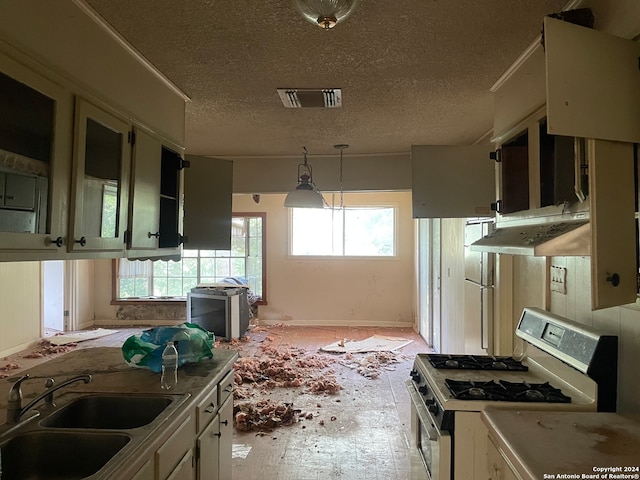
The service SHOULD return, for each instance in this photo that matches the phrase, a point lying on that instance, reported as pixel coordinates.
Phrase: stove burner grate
(505, 391)
(475, 362)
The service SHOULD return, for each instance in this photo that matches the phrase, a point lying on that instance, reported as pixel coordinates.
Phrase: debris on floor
(372, 364)
(376, 343)
(45, 348)
(240, 450)
(264, 415)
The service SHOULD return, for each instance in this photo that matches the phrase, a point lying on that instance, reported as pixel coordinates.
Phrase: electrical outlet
(559, 280)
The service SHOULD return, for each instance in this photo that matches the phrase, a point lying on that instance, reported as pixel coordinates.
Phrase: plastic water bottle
(169, 367)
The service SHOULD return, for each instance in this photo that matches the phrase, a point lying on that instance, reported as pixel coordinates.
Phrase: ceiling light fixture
(325, 13)
(305, 195)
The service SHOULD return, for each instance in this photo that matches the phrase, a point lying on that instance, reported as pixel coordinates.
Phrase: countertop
(587, 444)
(111, 374)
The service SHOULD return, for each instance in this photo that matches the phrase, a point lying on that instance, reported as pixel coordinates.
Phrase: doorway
(53, 297)
(429, 281)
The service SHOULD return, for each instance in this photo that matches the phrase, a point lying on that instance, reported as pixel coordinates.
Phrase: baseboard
(332, 323)
(19, 348)
(135, 323)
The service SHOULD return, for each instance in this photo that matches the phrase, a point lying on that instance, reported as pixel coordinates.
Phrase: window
(350, 231)
(153, 279)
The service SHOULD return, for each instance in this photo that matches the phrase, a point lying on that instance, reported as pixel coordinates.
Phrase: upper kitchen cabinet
(155, 216)
(102, 161)
(593, 83)
(451, 181)
(208, 184)
(36, 116)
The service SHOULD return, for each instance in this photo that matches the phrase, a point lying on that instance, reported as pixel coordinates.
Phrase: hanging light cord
(341, 147)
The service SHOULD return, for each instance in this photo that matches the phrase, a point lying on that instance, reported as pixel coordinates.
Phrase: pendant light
(325, 13)
(305, 195)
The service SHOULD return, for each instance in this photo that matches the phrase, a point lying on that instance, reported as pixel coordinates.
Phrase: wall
(529, 274)
(336, 291)
(315, 291)
(20, 306)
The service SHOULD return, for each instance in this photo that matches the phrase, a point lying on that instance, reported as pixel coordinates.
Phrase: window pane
(207, 253)
(237, 267)
(223, 253)
(207, 267)
(190, 267)
(349, 231)
(160, 268)
(238, 245)
(142, 287)
(369, 232)
(127, 287)
(189, 253)
(174, 269)
(160, 286)
(175, 287)
(255, 247)
(312, 231)
(188, 284)
(223, 267)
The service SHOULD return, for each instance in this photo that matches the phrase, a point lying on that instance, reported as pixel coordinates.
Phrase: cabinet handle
(219, 434)
(225, 422)
(10, 197)
(82, 241)
(157, 234)
(228, 389)
(211, 408)
(614, 279)
(59, 242)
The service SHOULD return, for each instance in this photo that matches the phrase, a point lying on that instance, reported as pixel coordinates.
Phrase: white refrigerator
(478, 291)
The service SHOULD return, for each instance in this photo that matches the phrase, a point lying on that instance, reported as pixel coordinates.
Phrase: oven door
(433, 444)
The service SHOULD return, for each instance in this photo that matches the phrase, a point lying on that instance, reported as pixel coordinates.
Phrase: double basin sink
(88, 431)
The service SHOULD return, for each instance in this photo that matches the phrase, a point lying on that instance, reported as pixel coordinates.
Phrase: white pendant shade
(304, 198)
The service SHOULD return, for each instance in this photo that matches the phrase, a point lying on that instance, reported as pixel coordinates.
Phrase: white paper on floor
(377, 343)
(72, 337)
(240, 450)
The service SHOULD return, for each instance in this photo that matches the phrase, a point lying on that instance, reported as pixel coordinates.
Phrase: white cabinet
(498, 466)
(100, 193)
(170, 457)
(451, 181)
(184, 470)
(566, 115)
(214, 445)
(155, 215)
(593, 83)
(35, 155)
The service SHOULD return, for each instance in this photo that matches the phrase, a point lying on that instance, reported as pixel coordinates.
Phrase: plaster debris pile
(285, 367)
(371, 365)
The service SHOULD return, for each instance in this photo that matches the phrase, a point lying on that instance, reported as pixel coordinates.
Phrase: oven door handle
(423, 414)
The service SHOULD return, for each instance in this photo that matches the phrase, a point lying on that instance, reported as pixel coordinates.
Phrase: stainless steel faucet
(15, 411)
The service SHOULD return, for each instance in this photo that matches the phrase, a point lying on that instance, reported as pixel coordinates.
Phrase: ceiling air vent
(311, 97)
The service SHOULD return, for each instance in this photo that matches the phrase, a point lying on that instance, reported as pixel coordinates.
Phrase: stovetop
(505, 391)
(476, 362)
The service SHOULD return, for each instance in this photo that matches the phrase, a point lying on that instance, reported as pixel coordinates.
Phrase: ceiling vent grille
(311, 97)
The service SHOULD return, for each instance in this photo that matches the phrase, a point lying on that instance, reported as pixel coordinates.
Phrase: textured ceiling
(411, 71)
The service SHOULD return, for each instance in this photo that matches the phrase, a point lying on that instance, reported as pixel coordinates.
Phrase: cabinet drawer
(225, 388)
(207, 409)
(169, 455)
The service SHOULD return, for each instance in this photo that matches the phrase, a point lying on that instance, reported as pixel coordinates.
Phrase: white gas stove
(563, 366)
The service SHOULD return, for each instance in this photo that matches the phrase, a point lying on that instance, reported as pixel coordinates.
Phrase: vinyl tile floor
(361, 433)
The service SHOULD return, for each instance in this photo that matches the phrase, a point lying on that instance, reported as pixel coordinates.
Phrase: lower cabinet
(184, 469)
(214, 445)
(170, 457)
(498, 466)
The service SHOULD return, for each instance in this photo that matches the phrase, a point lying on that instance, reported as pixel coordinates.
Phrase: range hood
(542, 240)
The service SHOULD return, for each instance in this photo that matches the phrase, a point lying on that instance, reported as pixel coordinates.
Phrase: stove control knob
(424, 389)
(415, 376)
(433, 408)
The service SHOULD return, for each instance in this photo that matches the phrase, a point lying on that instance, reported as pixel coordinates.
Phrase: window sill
(161, 301)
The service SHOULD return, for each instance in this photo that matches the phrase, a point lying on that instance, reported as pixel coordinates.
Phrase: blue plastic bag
(194, 344)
